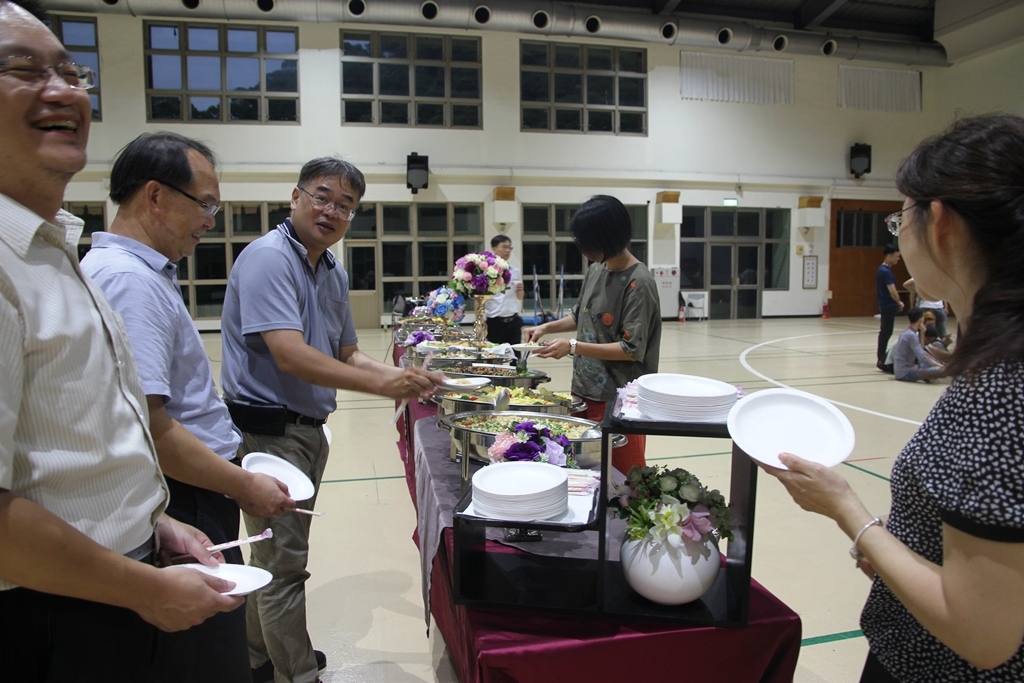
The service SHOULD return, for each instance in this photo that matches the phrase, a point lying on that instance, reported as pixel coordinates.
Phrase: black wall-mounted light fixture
(417, 172)
(860, 159)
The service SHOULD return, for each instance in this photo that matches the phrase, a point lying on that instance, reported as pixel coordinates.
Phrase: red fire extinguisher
(824, 310)
(682, 314)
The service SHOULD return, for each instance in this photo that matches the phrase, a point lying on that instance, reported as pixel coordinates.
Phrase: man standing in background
(81, 493)
(504, 322)
(889, 303)
(166, 189)
(289, 345)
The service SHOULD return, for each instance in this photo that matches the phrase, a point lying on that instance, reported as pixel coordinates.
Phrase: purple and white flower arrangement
(670, 506)
(530, 441)
(481, 273)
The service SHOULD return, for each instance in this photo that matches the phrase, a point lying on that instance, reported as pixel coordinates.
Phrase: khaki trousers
(276, 615)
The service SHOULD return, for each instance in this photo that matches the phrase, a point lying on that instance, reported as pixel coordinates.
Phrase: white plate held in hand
(775, 421)
(465, 383)
(299, 485)
(246, 579)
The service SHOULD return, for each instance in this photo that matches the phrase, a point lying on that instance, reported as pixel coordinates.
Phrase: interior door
(735, 281)
(854, 259)
(361, 264)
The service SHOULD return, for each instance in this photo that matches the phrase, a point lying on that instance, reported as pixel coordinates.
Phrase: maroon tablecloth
(489, 645)
(502, 646)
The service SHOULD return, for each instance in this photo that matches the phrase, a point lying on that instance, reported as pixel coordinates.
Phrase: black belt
(300, 419)
(506, 319)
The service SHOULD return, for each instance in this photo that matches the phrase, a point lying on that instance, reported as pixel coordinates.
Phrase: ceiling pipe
(533, 17)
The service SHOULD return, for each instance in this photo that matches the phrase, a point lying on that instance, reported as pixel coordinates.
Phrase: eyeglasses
(321, 203)
(209, 210)
(894, 221)
(29, 70)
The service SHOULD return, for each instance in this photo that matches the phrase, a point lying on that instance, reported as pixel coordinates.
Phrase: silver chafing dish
(451, 402)
(586, 448)
(505, 376)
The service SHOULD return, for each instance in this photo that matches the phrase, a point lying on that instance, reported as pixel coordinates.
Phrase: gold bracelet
(855, 553)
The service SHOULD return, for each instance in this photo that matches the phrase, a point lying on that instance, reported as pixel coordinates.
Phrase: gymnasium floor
(365, 609)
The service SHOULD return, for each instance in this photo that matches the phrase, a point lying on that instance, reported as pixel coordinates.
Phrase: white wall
(703, 149)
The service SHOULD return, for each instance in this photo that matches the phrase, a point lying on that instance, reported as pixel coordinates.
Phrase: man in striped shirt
(81, 494)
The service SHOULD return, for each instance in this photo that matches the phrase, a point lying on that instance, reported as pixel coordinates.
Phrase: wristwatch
(572, 346)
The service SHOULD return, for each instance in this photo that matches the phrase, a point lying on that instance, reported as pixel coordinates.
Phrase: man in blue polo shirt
(889, 303)
(167, 193)
(289, 345)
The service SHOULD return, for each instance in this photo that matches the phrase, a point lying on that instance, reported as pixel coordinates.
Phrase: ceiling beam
(664, 7)
(813, 13)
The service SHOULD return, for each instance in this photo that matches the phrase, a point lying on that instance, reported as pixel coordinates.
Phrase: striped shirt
(74, 435)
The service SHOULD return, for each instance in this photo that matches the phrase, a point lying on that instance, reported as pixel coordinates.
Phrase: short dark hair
(498, 239)
(160, 156)
(890, 249)
(333, 167)
(930, 332)
(602, 226)
(915, 314)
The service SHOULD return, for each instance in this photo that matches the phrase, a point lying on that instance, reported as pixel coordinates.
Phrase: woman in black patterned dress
(947, 603)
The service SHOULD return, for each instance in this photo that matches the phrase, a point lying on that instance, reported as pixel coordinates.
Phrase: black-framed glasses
(894, 221)
(209, 210)
(321, 203)
(30, 70)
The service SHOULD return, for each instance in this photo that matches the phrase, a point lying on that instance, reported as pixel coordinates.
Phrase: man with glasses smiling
(81, 492)
(289, 344)
(158, 223)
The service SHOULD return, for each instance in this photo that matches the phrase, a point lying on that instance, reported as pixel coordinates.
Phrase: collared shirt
(506, 303)
(142, 286)
(74, 435)
(273, 287)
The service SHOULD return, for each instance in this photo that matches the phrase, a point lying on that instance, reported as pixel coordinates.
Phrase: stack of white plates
(520, 491)
(684, 398)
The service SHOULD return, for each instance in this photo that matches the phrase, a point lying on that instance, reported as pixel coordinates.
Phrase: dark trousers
(505, 330)
(885, 331)
(52, 639)
(217, 649)
(874, 672)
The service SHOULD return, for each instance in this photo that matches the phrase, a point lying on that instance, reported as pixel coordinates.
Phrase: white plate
(775, 421)
(519, 478)
(299, 485)
(670, 386)
(246, 579)
(526, 347)
(464, 383)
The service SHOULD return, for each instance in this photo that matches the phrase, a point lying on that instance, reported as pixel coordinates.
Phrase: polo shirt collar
(327, 258)
(151, 257)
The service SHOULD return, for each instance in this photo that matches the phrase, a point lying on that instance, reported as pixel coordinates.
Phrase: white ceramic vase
(667, 575)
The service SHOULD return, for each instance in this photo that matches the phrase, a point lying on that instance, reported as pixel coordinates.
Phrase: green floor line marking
(866, 471)
(832, 638)
(355, 481)
(695, 455)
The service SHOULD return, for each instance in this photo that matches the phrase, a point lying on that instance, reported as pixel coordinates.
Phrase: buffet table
(503, 644)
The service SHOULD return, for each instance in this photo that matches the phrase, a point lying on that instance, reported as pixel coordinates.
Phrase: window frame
(378, 101)
(57, 24)
(263, 95)
(558, 102)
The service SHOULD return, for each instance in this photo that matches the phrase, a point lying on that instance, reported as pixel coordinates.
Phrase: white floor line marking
(745, 364)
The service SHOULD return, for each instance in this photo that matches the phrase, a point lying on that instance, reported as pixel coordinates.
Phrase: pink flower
(696, 524)
(502, 442)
